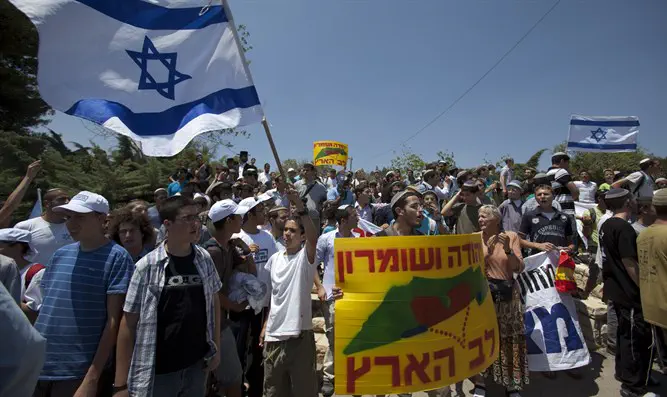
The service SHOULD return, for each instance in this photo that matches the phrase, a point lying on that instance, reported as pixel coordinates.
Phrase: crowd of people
(206, 291)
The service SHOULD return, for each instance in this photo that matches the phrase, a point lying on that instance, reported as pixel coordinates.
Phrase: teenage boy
(83, 288)
(620, 273)
(289, 351)
(168, 340)
(225, 220)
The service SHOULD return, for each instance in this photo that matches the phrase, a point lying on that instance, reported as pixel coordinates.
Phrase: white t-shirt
(586, 191)
(646, 188)
(267, 247)
(291, 308)
(32, 296)
(46, 237)
(264, 178)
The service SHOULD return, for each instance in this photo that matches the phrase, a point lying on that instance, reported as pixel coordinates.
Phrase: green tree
(446, 156)
(21, 106)
(406, 160)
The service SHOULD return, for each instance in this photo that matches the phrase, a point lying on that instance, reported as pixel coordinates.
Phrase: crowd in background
(207, 290)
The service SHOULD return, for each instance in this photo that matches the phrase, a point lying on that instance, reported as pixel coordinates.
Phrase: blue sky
(371, 73)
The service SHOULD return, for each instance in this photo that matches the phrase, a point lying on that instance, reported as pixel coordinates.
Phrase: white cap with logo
(84, 203)
(224, 208)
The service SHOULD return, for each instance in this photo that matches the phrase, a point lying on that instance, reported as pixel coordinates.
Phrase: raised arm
(15, 198)
(447, 209)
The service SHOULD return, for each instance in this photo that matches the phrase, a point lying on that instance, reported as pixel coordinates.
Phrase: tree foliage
(407, 160)
(120, 176)
(21, 106)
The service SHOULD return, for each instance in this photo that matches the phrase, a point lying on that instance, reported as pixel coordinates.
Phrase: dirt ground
(598, 380)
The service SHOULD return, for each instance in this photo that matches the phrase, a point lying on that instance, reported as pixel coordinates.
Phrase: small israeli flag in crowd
(160, 72)
(37, 208)
(603, 133)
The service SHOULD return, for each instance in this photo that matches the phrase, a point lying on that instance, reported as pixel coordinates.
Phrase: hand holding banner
(330, 153)
(424, 320)
(554, 340)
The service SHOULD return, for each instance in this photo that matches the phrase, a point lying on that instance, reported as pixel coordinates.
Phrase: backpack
(32, 271)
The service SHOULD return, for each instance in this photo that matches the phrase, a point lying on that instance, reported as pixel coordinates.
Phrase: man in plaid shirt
(169, 336)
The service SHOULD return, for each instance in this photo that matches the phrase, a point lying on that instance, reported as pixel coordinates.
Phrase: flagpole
(273, 147)
(265, 123)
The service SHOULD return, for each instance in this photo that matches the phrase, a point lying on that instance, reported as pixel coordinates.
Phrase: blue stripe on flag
(607, 123)
(170, 120)
(603, 146)
(145, 15)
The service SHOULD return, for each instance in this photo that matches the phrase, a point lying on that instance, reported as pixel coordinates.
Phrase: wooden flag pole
(265, 123)
(273, 148)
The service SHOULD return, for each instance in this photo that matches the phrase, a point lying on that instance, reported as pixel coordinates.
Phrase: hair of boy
(172, 206)
(342, 214)
(402, 202)
(360, 188)
(298, 221)
(126, 215)
(544, 187)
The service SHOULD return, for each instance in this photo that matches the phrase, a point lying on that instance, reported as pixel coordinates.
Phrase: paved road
(598, 380)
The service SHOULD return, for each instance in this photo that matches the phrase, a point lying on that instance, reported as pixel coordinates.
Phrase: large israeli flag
(158, 71)
(603, 133)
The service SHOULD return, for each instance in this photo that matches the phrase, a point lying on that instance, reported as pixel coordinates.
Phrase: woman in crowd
(132, 230)
(502, 257)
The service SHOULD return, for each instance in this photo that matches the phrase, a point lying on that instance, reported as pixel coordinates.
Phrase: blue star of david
(599, 134)
(146, 81)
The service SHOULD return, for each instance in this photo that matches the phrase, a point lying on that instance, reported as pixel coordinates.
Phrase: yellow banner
(330, 153)
(417, 313)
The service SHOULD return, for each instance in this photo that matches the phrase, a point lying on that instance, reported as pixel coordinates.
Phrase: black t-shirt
(619, 240)
(181, 317)
(540, 229)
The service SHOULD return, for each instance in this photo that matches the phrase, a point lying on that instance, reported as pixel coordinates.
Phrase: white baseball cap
(19, 236)
(224, 208)
(263, 197)
(248, 203)
(84, 203)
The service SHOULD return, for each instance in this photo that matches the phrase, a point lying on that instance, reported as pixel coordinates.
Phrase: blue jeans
(188, 382)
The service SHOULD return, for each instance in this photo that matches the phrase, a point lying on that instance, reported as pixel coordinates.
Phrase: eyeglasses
(189, 218)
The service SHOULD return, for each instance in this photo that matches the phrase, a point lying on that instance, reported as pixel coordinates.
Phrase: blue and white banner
(160, 72)
(554, 341)
(603, 133)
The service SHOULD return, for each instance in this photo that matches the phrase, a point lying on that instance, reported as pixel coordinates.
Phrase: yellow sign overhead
(417, 313)
(330, 153)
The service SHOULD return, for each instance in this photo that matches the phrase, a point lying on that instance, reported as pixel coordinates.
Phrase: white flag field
(603, 133)
(160, 72)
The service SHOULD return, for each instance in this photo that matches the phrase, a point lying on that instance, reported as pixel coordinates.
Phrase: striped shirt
(73, 315)
(143, 297)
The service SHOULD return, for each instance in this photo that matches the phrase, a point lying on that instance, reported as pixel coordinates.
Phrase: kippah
(660, 198)
(616, 193)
